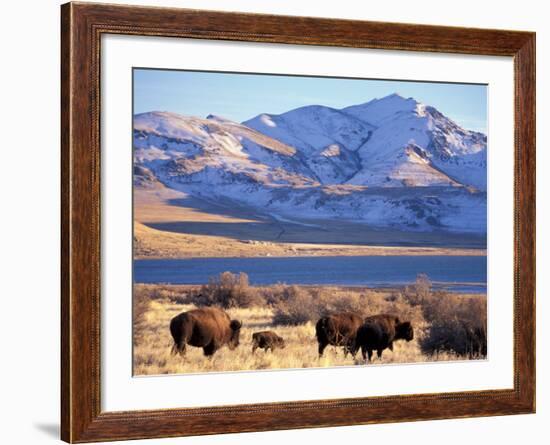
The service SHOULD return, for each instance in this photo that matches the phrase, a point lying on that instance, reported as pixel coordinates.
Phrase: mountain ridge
(319, 162)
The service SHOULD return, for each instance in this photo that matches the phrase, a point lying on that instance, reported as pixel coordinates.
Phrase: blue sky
(242, 96)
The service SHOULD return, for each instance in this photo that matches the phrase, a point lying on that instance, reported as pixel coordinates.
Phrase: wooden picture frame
(82, 26)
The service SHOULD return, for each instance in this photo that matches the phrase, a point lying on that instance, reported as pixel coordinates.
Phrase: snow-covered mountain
(328, 138)
(443, 145)
(388, 162)
(398, 142)
(214, 151)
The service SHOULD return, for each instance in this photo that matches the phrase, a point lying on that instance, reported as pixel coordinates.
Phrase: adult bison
(378, 332)
(338, 330)
(207, 328)
(267, 340)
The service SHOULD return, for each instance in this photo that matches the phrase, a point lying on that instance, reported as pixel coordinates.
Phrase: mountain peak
(393, 97)
(156, 113)
(214, 117)
(317, 162)
(376, 111)
(312, 128)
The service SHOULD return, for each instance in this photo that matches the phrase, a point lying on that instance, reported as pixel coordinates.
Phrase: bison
(338, 330)
(267, 340)
(206, 328)
(378, 332)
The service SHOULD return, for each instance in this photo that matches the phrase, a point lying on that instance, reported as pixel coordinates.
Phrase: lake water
(456, 273)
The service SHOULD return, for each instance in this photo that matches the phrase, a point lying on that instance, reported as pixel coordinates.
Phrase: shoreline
(151, 243)
(301, 250)
(436, 286)
(459, 253)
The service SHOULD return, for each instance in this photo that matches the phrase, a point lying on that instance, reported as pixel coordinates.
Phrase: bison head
(352, 346)
(404, 331)
(235, 326)
(281, 342)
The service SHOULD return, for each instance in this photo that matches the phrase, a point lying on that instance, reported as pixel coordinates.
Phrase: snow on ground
(388, 162)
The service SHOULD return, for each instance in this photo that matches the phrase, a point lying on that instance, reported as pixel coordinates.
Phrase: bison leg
(379, 353)
(254, 347)
(349, 348)
(353, 347)
(210, 349)
(322, 347)
(370, 354)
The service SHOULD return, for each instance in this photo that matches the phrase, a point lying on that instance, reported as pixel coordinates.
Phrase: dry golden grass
(153, 341)
(152, 355)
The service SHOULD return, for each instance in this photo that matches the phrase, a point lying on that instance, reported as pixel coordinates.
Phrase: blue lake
(456, 273)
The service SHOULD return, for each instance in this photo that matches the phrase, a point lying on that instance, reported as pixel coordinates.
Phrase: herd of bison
(211, 328)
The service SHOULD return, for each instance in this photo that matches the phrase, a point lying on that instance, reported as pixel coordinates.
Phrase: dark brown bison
(338, 330)
(378, 332)
(267, 340)
(207, 328)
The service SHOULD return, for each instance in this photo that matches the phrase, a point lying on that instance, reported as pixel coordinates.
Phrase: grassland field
(292, 312)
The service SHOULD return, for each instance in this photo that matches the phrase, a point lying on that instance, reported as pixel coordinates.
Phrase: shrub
(296, 306)
(332, 301)
(228, 290)
(140, 306)
(397, 304)
(274, 294)
(164, 292)
(420, 291)
(456, 335)
(457, 324)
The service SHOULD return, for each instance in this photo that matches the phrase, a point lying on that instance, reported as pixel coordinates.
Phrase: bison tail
(178, 349)
(178, 336)
(174, 350)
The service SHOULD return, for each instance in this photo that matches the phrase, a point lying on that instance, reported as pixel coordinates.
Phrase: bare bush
(332, 301)
(140, 306)
(228, 290)
(173, 293)
(296, 306)
(457, 324)
(456, 335)
(274, 294)
(420, 291)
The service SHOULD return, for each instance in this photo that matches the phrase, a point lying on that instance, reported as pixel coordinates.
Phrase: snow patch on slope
(388, 162)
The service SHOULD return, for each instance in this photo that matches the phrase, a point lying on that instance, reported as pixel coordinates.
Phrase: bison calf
(206, 328)
(379, 332)
(267, 340)
(338, 330)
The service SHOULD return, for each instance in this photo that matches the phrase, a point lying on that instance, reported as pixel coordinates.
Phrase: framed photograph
(275, 222)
